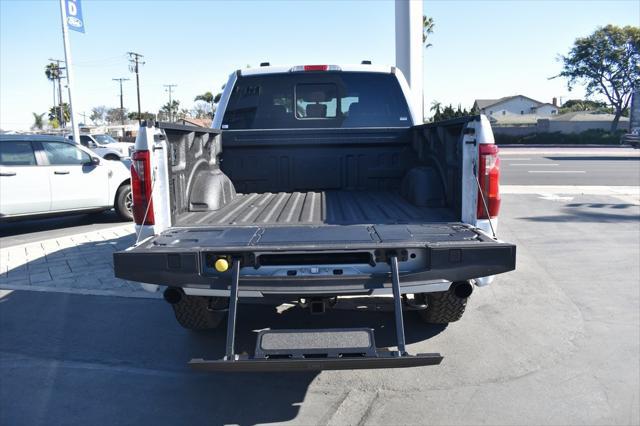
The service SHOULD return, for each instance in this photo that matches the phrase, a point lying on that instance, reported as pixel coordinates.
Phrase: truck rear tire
(443, 307)
(195, 313)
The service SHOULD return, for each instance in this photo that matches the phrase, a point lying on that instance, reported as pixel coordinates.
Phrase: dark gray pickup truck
(315, 183)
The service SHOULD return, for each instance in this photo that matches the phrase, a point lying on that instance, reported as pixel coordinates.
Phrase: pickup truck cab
(106, 146)
(316, 182)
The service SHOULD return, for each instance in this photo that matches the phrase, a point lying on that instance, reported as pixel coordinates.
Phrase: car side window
(17, 154)
(60, 153)
(85, 140)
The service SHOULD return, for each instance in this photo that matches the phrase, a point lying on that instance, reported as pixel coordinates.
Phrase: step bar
(313, 350)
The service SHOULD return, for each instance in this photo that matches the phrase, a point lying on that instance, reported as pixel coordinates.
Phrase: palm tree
(427, 29)
(38, 121)
(53, 73)
(65, 114)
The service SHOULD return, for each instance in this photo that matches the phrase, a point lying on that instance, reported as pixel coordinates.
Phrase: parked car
(106, 146)
(50, 175)
(316, 182)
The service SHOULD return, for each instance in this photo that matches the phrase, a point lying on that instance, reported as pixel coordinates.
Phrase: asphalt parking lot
(555, 342)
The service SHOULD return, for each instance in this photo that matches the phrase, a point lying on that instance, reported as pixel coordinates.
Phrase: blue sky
(482, 49)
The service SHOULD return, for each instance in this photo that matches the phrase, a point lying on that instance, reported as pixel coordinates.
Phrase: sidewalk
(80, 264)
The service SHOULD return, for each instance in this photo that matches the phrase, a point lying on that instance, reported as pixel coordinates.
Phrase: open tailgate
(185, 256)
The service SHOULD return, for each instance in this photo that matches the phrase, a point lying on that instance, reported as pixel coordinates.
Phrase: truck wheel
(123, 202)
(195, 313)
(447, 306)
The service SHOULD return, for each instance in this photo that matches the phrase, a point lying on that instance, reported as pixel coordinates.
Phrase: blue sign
(74, 15)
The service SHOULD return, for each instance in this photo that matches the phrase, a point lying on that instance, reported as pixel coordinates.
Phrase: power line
(169, 88)
(135, 62)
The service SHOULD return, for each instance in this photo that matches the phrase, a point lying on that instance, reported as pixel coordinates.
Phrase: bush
(590, 137)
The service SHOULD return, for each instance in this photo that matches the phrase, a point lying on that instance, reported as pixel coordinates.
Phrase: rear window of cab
(316, 100)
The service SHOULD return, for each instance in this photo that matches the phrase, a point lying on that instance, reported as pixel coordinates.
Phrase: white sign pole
(67, 58)
(409, 49)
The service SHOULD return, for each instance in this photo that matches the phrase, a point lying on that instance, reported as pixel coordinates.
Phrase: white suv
(48, 175)
(106, 146)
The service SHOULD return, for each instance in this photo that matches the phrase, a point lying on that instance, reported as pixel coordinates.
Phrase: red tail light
(141, 188)
(489, 178)
(316, 67)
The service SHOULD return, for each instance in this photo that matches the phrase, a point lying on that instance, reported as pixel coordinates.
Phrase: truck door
(75, 182)
(24, 185)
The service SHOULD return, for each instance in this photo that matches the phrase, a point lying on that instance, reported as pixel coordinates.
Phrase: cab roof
(385, 69)
(32, 138)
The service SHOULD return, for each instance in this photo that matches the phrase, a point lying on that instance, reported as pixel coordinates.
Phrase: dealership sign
(74, 15)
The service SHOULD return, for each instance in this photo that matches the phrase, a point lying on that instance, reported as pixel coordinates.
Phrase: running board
(278, 364)
(322, 349)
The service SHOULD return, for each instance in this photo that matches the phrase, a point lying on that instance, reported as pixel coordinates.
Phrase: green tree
(53, 73)
(436, 109)
(607, 63)
(573, 105)
(116, 115)
(208, 98)
(55, 113)
(99, 114)
(428, 25)
(143, 116)
(169, 110)
(38, 121)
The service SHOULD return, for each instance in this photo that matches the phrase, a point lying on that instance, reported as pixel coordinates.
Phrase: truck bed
(317, 208)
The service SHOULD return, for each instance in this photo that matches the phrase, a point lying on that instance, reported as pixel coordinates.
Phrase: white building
(515, 105)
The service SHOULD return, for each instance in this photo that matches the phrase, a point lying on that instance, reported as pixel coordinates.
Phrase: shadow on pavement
(57, 222)
(584, 212)
(93, 360)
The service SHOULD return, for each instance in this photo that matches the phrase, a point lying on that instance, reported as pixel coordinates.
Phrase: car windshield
(318, 100)
(104, 139)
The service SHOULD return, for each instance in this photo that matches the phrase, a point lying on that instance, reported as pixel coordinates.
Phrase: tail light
(489, 179)
(299, 68)
(141, 188)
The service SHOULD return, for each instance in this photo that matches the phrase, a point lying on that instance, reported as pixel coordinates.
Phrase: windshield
(104, 139)
(316, 100)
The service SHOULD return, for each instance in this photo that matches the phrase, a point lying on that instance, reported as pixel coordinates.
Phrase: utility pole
(134, 59)
(59, 69)
(169, 88)
(120, 80)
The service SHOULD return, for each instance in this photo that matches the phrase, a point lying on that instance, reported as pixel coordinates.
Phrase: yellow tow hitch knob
(221, 265)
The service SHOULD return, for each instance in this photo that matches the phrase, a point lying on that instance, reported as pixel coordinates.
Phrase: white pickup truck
(106, 146)
(316, 182)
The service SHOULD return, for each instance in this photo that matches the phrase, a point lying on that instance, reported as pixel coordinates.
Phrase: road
(581, 166)
(555, 342)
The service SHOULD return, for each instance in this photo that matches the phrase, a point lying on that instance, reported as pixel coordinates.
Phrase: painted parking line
(556, 171)
(536, 165)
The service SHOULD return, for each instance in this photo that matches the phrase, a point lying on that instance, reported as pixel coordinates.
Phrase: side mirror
(94, 161)
(92, 144)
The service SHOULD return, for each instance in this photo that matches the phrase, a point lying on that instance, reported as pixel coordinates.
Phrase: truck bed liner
(317, 208)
